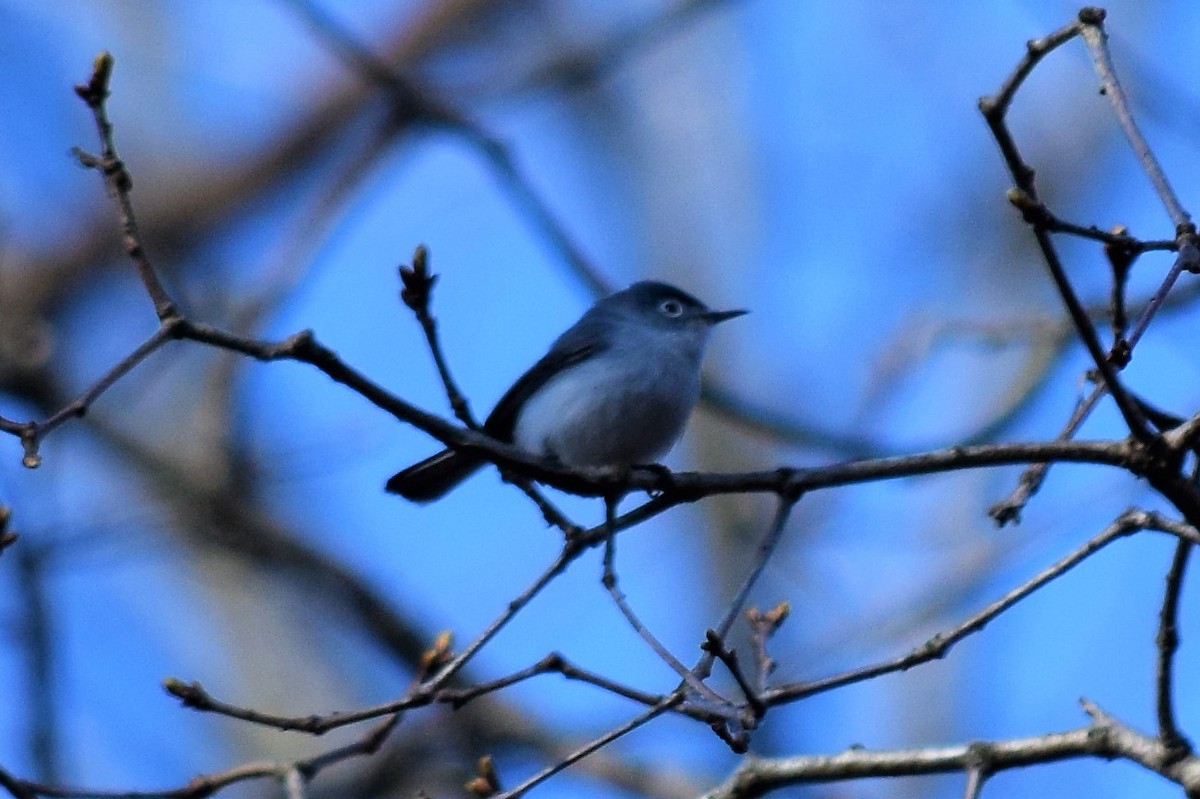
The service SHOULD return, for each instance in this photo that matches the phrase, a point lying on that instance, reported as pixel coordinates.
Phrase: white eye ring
(671, 308)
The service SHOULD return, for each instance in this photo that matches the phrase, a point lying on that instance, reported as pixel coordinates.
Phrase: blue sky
(823, 165)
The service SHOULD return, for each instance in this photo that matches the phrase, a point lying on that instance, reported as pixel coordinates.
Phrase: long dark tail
(433, 477)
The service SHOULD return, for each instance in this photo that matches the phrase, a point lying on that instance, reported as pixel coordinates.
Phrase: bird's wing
(504, 417)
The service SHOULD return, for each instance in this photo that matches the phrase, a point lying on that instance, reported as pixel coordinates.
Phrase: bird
(614, 390)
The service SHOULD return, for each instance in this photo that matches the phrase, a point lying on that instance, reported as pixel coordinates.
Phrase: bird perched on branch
(616, 389)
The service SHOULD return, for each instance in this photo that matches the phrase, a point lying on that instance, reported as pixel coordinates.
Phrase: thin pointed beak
(715, 317)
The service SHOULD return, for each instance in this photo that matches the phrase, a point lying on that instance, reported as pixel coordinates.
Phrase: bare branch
(1104, 738)
(1089, 25)
(765, 549)
(1091, 21)
(119, 182)
(1166, 643)
(936, 647)
(764, 624)
(552, 663)
(593, 746)
(417, 294)
(704, 693)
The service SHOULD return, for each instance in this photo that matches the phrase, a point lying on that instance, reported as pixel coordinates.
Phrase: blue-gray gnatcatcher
(615, 390)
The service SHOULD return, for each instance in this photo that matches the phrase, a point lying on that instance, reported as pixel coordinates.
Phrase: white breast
(611, 410)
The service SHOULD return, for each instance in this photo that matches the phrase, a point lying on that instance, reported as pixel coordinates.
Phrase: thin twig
(554, 663)
(1117, 240)
(599, 743)
(1092, 28)
(193, 695)
(1166, 644)
(417, 294)
(1035, 51)
(611, 584)
(764, 624)
(1030, 481)
(714, 646)
(570, 551)
(196, 788)
(552, 515)
(367, 744)
(119, 182)
(765, 549)
(1020, 171)
(35, 431)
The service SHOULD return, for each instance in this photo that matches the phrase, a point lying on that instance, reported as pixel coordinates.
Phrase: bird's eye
(671, 308)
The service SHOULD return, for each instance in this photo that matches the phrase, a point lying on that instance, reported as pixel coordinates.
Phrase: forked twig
(1089, 26)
